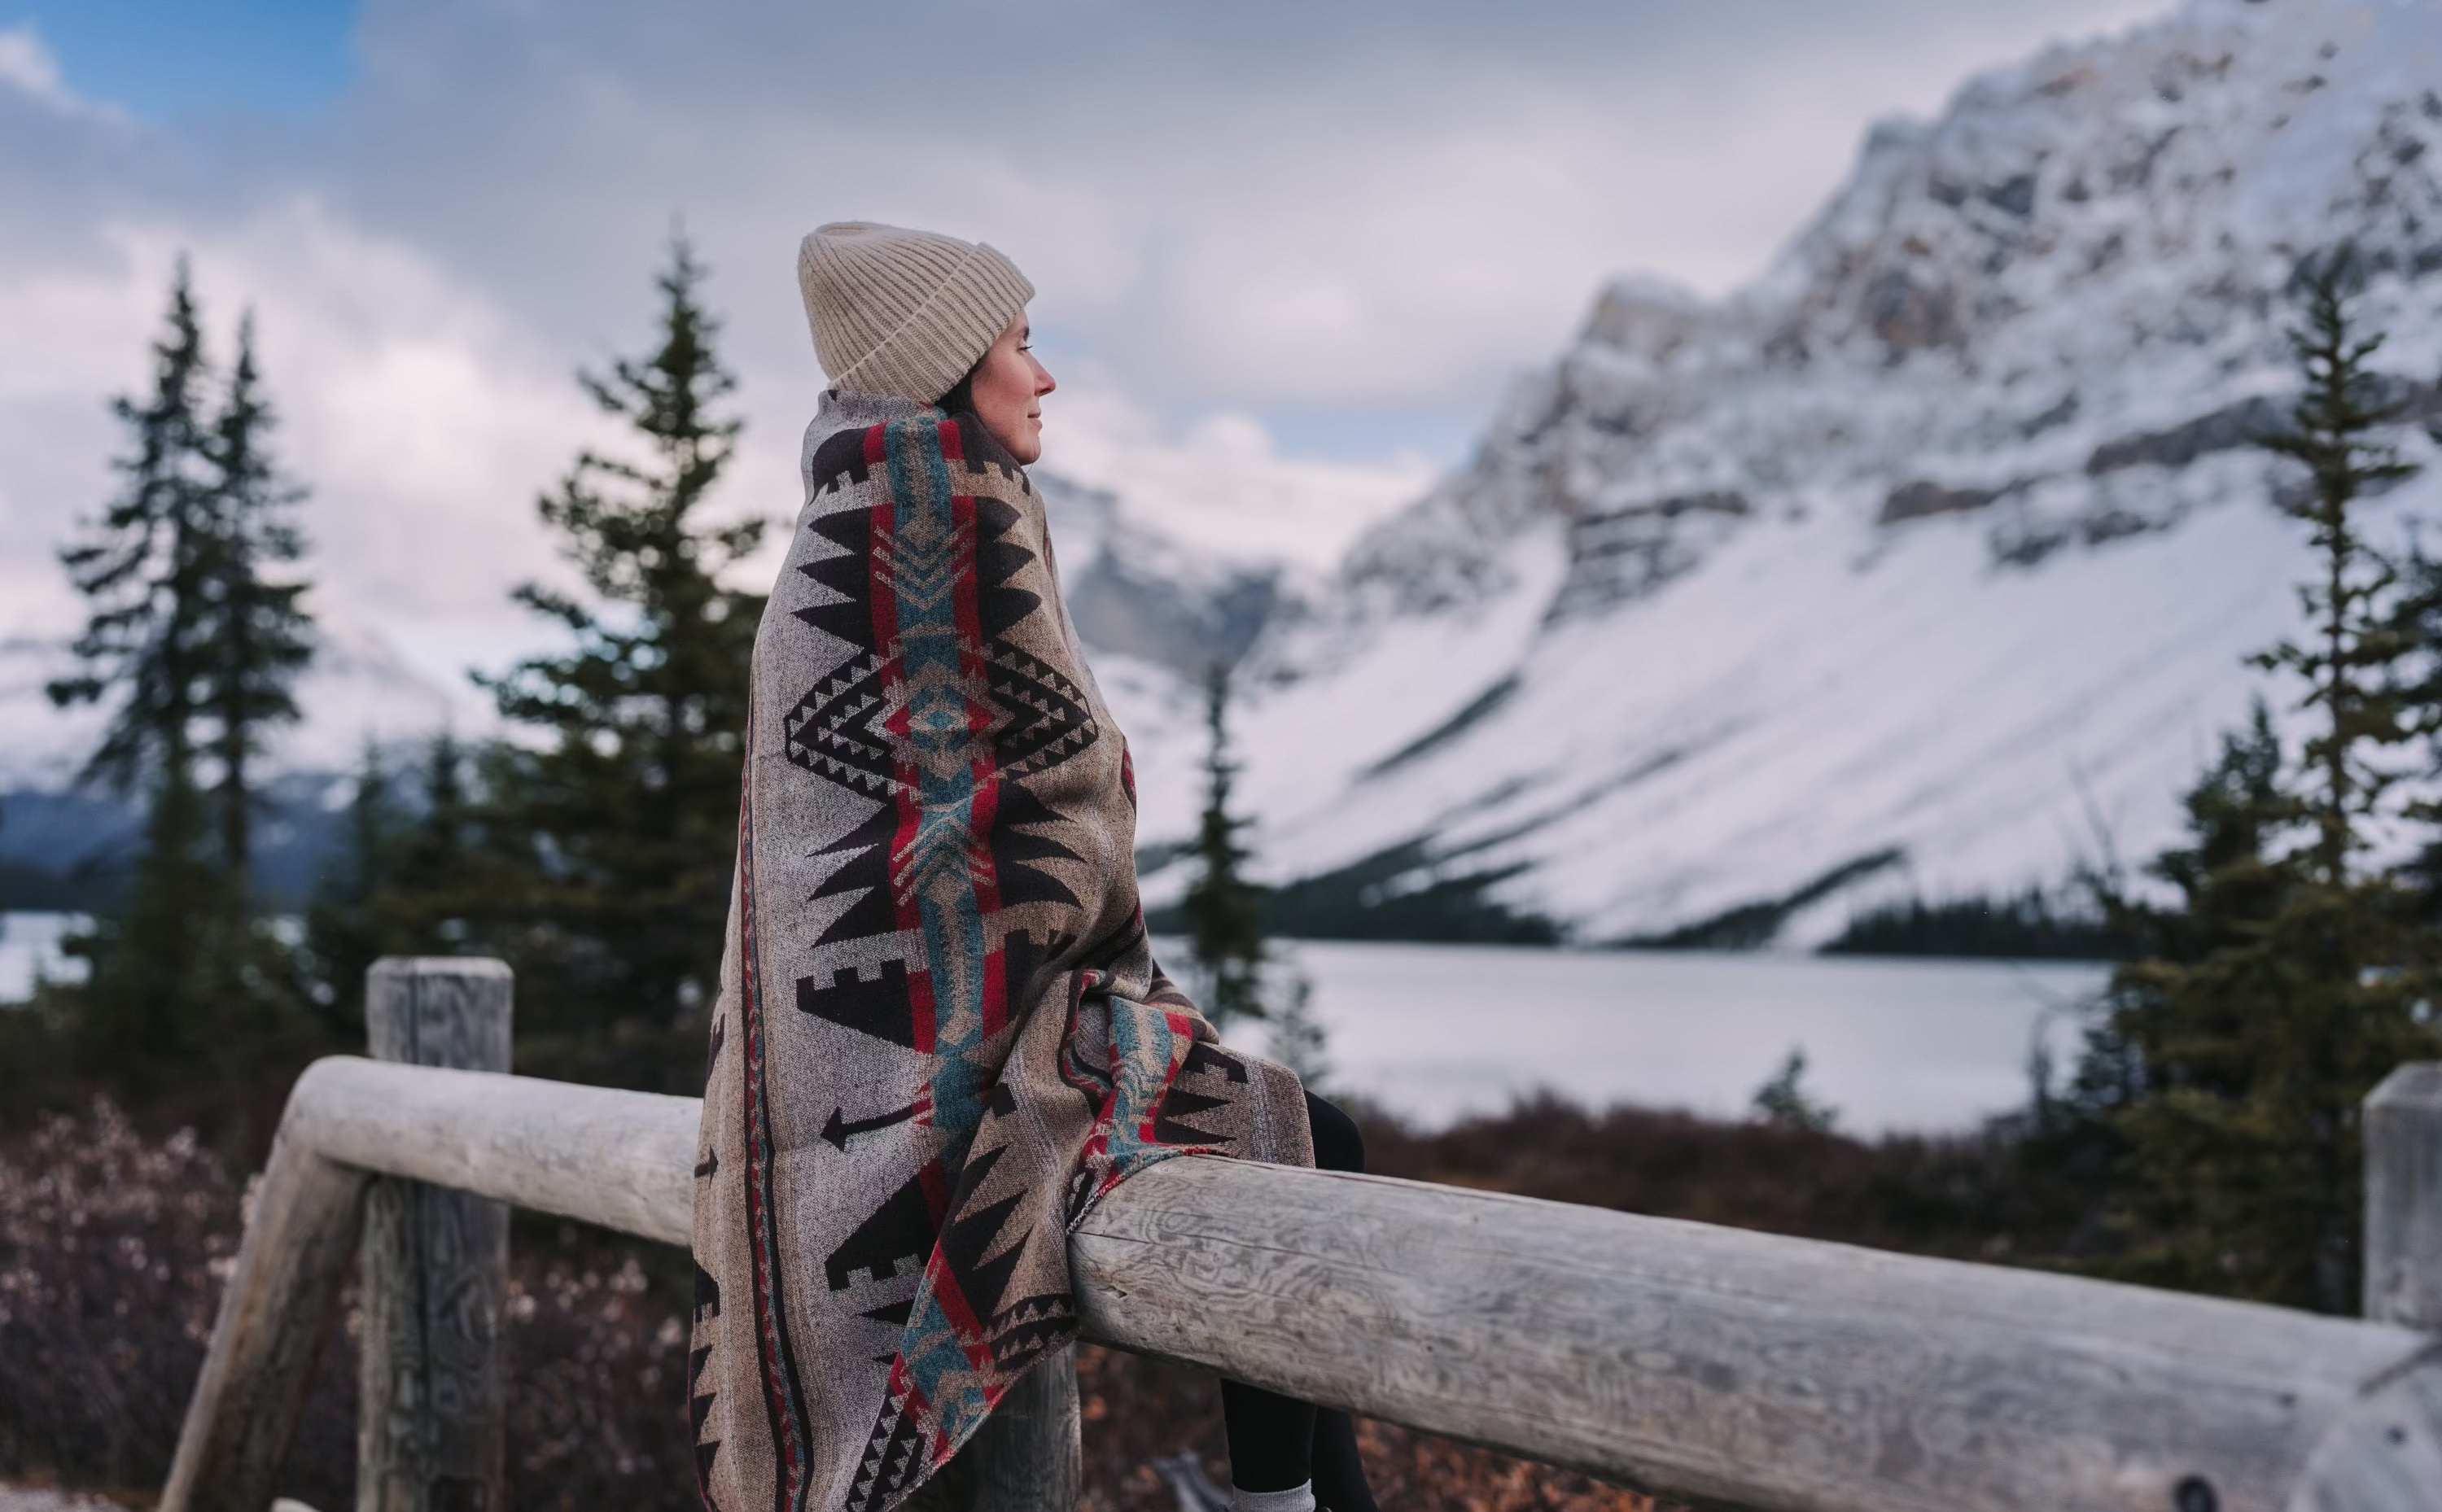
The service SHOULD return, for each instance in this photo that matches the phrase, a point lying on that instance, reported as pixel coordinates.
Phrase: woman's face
(1008, 389)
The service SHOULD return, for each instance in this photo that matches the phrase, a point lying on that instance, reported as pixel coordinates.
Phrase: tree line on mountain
(2279, 960)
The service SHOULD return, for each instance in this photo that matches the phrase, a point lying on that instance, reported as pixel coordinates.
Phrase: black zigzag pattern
(1047, 720)
(1170, 1125)
(896, 1448)
(699, 1410)
(847, 575)
(1047, 717)
(864, 875)
(1000, 608)
(835, 729)
(1030, 1326)
(1014, 848)
(967, 1241)
(700, 1391)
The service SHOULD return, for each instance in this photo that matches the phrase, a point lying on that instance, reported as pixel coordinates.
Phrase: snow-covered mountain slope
(359, 689)
(1927, 563)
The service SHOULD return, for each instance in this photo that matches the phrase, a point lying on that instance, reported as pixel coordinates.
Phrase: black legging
(1276, 1443)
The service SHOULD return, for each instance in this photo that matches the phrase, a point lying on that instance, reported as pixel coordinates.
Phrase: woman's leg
(1272, 1438)
(1338, 1471)
(1279, 1443)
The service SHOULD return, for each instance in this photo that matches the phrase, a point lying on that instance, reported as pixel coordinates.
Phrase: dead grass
(113, 1247)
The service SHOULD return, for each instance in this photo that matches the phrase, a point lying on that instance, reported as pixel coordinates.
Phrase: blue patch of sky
(1441, 435)
(159, 59)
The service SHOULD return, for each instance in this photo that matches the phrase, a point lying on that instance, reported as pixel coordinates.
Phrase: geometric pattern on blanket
(941, 1035)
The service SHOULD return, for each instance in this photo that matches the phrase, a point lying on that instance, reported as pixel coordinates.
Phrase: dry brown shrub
(113, 1247)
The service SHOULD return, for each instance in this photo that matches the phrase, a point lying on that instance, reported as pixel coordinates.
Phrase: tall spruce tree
(2290, 980)
(1224, 910)
(142, 567)
(2353, 659)
(195, 650)
(625, 817)
(410, 878)
(256, 636)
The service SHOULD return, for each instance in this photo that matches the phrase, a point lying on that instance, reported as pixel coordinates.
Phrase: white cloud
(27, 66)
(1220, 485)
(1262, 208)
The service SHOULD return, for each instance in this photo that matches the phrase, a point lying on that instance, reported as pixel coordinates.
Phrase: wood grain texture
(432, 1427)
(1705, 1364)
(622, 1160)
(1026, 1458)
(245, 1410)
(2403, 1198)
(1028, 1455)
(1710, 1364)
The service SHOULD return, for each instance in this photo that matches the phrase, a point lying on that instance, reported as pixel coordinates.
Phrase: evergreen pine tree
(257, 638)
(185, 988)
(1299, 1040)
(1785, 1101)
(403, 881)
(142, 566)
(1225, 911)
(625, 820)
(2289, 980)
(344, 927)
(2353, 660)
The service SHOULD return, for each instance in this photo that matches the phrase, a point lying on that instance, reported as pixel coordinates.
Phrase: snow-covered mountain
(359, 689)
(1927, 563)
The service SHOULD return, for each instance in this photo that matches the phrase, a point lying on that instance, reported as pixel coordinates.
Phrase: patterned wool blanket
(941, 1034)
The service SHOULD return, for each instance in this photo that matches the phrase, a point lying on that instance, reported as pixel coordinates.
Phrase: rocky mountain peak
(1991, 409)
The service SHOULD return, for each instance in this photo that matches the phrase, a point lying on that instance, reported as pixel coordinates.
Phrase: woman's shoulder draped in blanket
(941, 1033)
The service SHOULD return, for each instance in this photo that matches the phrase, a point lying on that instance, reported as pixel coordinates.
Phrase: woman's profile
(941, 1034)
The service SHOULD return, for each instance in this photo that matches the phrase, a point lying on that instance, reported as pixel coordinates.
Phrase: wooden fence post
(1027, 1454)
(431, 1429)
(251, 1392)
(2403, 1197)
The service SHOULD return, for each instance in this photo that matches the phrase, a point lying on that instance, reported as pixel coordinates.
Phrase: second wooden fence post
(2403, 1197)
(431, 1429)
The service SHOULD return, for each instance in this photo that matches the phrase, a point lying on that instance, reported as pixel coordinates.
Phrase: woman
(941, 1034)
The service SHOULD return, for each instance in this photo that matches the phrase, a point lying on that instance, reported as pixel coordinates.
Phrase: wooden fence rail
(1701, 1363)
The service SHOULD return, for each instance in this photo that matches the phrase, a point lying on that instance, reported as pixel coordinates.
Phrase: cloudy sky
(1295, 248)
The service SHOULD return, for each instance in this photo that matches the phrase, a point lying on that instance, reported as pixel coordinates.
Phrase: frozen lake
(30, 943)
(1438, 1030)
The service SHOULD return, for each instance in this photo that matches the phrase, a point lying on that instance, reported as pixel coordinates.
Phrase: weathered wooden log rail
(1701, 1363)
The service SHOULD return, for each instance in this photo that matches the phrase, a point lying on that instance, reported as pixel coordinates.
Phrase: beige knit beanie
(902, 311)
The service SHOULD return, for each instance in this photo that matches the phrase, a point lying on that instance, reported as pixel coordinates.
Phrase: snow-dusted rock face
(357, 691)
(1927, 563)
(1133, 589)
